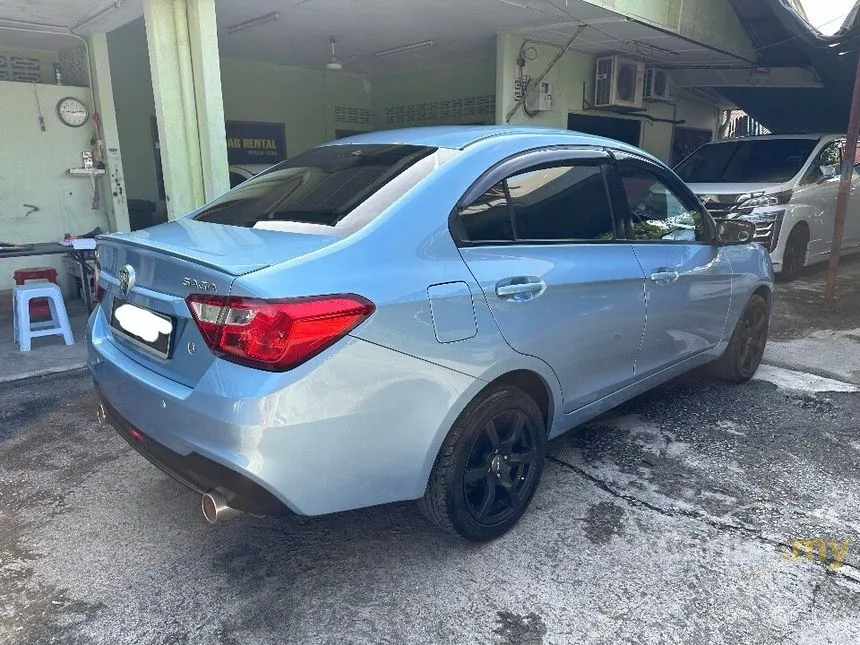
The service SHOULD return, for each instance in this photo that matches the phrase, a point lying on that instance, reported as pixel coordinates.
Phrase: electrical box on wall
(539, 99)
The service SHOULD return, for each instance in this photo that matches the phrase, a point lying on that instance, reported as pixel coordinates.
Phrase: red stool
(40, 306)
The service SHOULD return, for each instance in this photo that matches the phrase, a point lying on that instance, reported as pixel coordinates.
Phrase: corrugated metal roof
(784, 38)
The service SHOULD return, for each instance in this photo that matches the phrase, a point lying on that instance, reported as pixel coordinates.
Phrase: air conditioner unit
(618, 82)
(657, 85)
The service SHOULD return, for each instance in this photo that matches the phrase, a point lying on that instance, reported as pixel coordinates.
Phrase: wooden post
(844, 190)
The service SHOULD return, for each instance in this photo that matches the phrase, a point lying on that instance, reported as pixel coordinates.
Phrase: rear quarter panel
(751, 270)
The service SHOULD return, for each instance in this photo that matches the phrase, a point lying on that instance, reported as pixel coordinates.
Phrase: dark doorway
(686, 141)
(626, 130)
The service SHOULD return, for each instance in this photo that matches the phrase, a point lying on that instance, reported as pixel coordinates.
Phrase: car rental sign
(255, 142)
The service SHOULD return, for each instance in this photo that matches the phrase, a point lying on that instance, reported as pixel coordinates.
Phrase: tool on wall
(95, 158)
(42, 125)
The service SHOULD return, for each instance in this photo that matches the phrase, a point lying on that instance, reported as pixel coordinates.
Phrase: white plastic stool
(23, 329)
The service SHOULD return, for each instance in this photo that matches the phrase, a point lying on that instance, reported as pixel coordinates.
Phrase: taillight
(99, 290)
(275, 335)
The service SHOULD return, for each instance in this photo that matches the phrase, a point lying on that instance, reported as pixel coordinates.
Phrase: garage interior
(292, 75)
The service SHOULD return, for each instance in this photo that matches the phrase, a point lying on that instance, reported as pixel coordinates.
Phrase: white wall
(573, 75)
(32, 171)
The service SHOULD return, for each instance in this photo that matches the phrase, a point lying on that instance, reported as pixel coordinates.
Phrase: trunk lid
(233, 250)
(173, 260)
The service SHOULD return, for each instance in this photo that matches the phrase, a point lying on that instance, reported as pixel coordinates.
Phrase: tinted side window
(656, 212)
(561, 203)
(827, 163)
(488, 219)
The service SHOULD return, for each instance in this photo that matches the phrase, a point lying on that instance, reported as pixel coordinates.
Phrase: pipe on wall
(189, 109)
(61, 31)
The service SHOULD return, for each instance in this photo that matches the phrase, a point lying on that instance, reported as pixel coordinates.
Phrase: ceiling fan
(334, 63)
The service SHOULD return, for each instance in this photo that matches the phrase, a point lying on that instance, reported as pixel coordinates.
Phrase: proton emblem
(126, 279)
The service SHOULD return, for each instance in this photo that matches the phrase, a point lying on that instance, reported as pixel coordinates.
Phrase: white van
(786, 185)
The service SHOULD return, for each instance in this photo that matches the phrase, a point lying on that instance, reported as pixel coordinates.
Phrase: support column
(183, 55)
(114, 179)
(206, 64)
(504, 77)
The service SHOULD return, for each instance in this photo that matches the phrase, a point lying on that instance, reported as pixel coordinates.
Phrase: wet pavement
(697, 513)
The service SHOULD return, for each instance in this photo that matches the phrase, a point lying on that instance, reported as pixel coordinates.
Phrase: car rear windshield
(320, 186)
(750, 161)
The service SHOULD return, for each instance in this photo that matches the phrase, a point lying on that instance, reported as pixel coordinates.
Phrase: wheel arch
(765, 292)
(531, 381)
(532, 384)
(805, 226)
(801, 223)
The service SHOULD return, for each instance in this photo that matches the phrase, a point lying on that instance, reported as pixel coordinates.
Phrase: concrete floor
(49, 354)
(828, 349)
(670, 520)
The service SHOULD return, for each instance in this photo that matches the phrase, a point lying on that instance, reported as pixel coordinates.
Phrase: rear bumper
(356, 426)
(195, 471)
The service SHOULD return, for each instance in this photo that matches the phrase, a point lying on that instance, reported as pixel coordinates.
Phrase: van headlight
(767, 227)
(746, 203)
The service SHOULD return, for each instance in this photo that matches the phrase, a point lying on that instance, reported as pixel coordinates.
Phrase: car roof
(459, 137)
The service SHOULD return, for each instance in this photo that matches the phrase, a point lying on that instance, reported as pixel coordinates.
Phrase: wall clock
(72, 112)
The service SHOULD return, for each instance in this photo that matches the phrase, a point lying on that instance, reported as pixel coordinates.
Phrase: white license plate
(147, 329)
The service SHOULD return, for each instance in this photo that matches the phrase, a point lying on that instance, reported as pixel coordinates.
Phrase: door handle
(522, 288)
(664, 276)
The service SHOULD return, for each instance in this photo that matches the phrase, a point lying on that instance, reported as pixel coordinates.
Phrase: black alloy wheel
(489, 465)
(746, 348)
(500, 473)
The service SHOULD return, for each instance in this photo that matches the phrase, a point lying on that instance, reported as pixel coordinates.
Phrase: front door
(687, 277)
(562, 286)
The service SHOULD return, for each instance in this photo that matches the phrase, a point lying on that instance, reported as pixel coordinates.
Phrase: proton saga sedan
(411, 315)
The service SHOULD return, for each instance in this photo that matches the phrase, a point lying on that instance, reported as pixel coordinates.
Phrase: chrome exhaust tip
(101, 414)
(215, 508)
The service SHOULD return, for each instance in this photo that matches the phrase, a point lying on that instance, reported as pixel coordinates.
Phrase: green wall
(33, 172)
(575, 72)
(135, 106)
(303, 100)
(710, 22)
(463, 80)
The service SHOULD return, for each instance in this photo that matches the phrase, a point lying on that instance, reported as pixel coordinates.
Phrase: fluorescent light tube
(404, 48)
(254, 22)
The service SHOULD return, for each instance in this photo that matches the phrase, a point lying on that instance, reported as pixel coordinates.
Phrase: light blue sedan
(411, 315)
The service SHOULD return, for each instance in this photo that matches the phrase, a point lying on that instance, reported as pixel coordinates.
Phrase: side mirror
(829, 172)
(734, 231)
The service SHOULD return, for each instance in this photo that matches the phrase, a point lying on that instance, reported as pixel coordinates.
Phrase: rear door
(687, 277)
(539, 236)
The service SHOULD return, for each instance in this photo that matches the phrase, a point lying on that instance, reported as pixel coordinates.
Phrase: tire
(488, 467)
(743, 355)
(794, 256)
